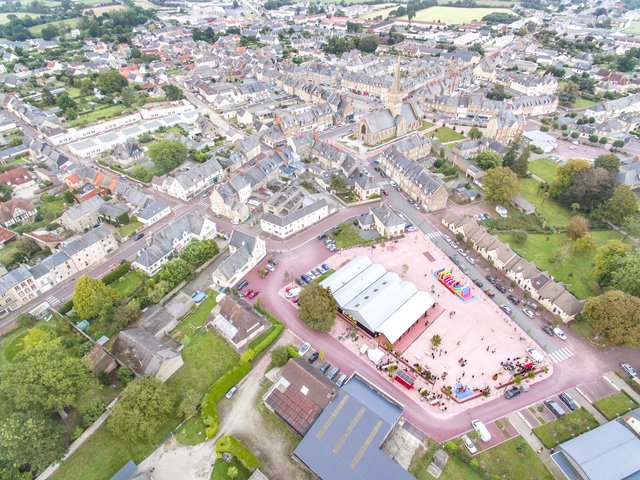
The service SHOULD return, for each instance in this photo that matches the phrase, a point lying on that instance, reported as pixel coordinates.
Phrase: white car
(559, 333)
(528, 313)
(472, 261)
(469, 444)
(235, 222)
(629, 369)
(269, 267)
(304, 349)
(446, 237)
(411, 228)
(393, 184)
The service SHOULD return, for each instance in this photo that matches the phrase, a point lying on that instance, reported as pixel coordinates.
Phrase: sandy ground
(477, 331)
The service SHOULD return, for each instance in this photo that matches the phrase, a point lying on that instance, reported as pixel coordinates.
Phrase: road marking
(52, 300)
(561, 355)
(433, 234)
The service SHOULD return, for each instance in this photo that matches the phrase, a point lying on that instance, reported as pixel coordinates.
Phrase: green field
(615, 405)
(4, 17)
(490, 3)
(575, 270)
(634, 29)
(70, 22)
(196, 319)
(384, 12)
(446, 135)
(192, 431)
(583, 103)
(220, 470)
(554, 213)
(565, 428)
(206, 359)
(455, 15)
(102, 113)
(129, 229)
(129, 283)
(543, 168)
(11, 344)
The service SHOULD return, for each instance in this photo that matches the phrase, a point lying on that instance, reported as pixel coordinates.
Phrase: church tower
(395, 94)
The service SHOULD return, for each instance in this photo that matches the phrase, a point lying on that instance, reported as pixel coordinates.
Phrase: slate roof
(141, 351)
(283, 220)
(387, 216)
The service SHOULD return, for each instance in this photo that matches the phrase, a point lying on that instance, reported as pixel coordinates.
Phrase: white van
(481, 430)
(535, 355)
(502, 211)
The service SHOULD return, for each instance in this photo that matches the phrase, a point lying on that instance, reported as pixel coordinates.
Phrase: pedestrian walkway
(582, 401)
(561, 355)
(52, 300)
(619, 383)
(435, 234)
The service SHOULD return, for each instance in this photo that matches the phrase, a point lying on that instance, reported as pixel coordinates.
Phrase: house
(91, 248)
(19, 179)
(82, 216)
(299, 395)
(16, 210)
(229, 199)
(44, 238)
(236, 321)
(152, 211)
(144, 354)
(383, 219)
(246, 251)
(345, 442)
(6, 236)
(127, 153)
(171, 239)
(365, 186)
(283, 226)
(505, 125)
(541, 140)
(52, 270)
(162, 319)
(187, 184)
(17, 288)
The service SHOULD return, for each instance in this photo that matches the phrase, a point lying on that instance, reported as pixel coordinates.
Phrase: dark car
(513, 299)
(384, 192)
(513, 392)
(242, 284)
(322, 236)
(325, 366)
(491, 278)
(568, 401)
(382, 174)
(501, 288)
(138, 236)
(300, 282)
(477, 282)
(548, 330)
(313, 357)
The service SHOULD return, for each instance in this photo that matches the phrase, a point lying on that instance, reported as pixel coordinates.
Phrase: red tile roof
(6, 235)
(16, 176)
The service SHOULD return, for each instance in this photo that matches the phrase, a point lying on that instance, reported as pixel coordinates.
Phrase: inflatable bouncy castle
(454, 286)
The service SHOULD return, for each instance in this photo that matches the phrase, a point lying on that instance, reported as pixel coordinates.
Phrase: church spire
(395, 86)
(395, 93)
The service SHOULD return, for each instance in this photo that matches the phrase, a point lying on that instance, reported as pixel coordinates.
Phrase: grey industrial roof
(345, 441)
(609, 452)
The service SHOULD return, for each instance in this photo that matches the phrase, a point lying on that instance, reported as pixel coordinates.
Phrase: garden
(347, 235)
(446, 135)
(565, 428)
(615, 405)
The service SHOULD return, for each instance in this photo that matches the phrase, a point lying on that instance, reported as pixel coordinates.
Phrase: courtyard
(464, 345)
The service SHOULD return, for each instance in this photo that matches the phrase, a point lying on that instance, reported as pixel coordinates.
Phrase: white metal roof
(358, 284)
(344, 274)
(405, 316)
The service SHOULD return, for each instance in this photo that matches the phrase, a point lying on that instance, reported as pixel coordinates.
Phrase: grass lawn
(583, 103)
(347, 235)
(634, 29)
(383, 12)
(555, 213)
(543, 168)
(615, 405)
(206, 359)
(11, 344)
(446, 134)
(4, 17)
(513, 459)
(565, 428)
(425, 125)
(103, 113)
(220, 470)
(455, 15)
(129, 282)
(7, 252)
(192, 431)
(52, 209)
(576, 269)
(130, 229)
(16, 162)
(195, 320)
(70, 22)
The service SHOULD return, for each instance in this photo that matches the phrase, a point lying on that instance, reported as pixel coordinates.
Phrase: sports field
(382, 11)
(455, 15)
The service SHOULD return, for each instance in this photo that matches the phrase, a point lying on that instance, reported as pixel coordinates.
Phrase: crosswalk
(204, 203)
(435, 234)
(52, 300)
(558, 356)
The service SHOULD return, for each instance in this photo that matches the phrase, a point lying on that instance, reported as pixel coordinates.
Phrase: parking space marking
(558, 356)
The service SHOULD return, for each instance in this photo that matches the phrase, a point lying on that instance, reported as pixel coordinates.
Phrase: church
(398, 118)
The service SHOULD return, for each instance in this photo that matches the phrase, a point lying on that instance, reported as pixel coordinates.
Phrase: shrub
(265, 340)
(228, 380)
(248, 356)
(210, 417)
(233, 446)
(451, 447)
(125, 375)
(27, 320)
(116, 273)
(103, 378)
(66, 308)
(91, 410)
(279, 356)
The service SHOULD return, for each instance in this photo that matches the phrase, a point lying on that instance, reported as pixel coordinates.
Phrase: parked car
(555, 408)
(232, 391)
(254, 294)
(501, 288)
(273, 261)
(531, 304)
(568, 401)
(248, 292)
(269, 267)
(506, 309)
(313, 357)
(489, 293)
(325, 267)
(512, 392)
(469, 444)
(548, 330)
(491, 278)
(138, 236)
(304, 349)
(322, 236)
(472, 261)
(341, 380)
(513, 299)
(393, 184)
(331, 374)
(446, 237)
(559, 333)
(235, 222)
(324, 367)
(629, 369)
(410, 228)
(385, 193)
(242, 284)
(477, 282)
(528, 313)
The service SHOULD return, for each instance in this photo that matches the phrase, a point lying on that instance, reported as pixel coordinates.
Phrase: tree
(111, 82)
(338, 183)
(622, 204)
(607, 260)
(49, 32)
(632, 225)
(128, 96)
(65, 102)
(618, 143)
(29, 441)
(625, 276)
(318, 308)
(5, 192)
(44, 378)
(124, 316)
(168, 154)
(142, 409)
(488, 159)
(172, 93)
(436, 340)
(584, 244)
(91, 296)
(279, 356)
(519, 237)
(594, 138)
(513, 150)
(26, 320)
(175, 271)
(577, 227)
(568, 95)
(476, 47)
(500, 184)
(521, 164)
(474, 133)
(608, 161)
(368, 44)
(199, 251)
(616, 316)
(590, 188)
(232, 472)
(188, 406)
(564, 174)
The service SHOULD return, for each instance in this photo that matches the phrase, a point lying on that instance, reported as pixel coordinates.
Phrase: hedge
(116, 273)
(266, 341)
(228, 380)
(66, 308)
(209, 412)
(234, 447)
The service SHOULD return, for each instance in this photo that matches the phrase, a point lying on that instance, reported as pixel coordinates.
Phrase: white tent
(375, 355)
